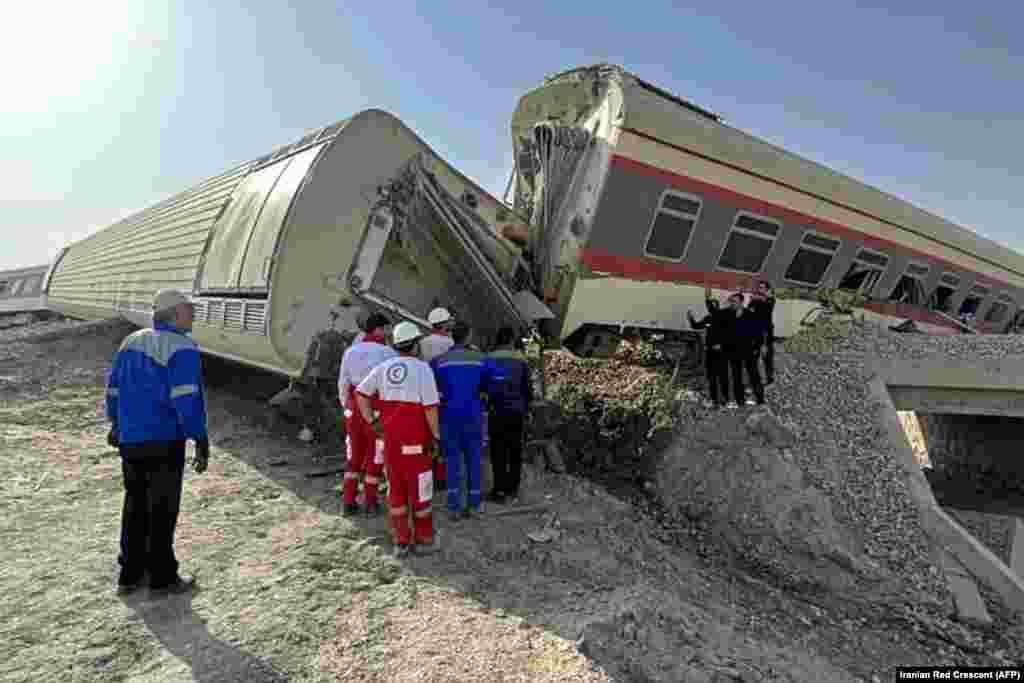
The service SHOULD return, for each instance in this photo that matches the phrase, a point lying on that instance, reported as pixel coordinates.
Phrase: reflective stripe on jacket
(155, 391)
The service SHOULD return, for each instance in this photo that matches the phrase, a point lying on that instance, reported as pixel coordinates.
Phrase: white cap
(169, 298)
(405, 332)
(439, 316)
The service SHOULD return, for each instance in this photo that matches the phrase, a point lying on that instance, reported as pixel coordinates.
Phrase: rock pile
(833, 496)
(821, 388)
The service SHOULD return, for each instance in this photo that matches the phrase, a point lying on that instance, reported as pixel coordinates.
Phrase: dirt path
(292, 591)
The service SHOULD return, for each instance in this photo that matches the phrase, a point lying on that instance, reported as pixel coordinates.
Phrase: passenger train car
(639, 200)
(359, 215)
(21, 290)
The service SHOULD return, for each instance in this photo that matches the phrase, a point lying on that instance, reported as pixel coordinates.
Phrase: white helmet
(439, 316)
(406, 332)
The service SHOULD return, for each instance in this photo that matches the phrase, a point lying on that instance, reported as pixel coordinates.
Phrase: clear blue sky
(109, 107)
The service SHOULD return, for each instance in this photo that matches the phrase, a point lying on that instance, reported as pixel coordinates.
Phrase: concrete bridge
(971, 412)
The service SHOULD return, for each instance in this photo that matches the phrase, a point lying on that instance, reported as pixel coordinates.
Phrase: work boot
(455, 516)
(374, 510)
(181, 584)
(496, 497)
(350, 509)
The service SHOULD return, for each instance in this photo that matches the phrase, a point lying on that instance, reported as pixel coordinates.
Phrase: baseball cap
(169, 298)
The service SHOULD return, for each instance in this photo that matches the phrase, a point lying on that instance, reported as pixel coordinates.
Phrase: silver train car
(359, 215)
(22, 290)
(639, 200)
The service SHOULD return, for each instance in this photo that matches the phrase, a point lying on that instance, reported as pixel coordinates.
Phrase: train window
(997, 312)
(972, 303)
(672, 226)
(812, 259)
(4, 285)
(865, 272)
(942, 297)
(749, 242)
(910, 288)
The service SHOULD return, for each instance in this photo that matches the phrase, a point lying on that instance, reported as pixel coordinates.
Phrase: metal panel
(260, 251)
(121, 267)
(223, 263)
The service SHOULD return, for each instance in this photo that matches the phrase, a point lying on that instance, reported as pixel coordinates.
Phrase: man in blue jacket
(461, 376)
(156, 401)
(510, 391)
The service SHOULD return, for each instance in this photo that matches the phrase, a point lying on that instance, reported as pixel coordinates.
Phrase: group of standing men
(736, 337)
(423, 394)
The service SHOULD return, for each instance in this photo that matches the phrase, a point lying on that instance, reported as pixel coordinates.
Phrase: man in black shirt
(719, 323)
(762, 305)
(743, 347)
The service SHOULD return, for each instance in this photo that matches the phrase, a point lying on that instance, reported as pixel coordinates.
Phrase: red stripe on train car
(742, 201)
(640, 268)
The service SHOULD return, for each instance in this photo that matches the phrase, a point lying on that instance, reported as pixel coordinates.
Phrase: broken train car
(639, 200)
(22, 290)
(355, 217)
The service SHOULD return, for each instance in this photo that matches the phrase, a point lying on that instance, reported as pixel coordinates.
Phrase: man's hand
(112, 439)
(202, 458)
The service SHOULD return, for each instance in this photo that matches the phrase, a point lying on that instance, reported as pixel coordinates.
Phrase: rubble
(823, 462)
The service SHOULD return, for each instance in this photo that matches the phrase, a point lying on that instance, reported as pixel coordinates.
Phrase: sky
(110, 107)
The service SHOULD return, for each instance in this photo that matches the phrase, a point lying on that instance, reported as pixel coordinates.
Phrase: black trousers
(717, 366)
(769, 356)
(746, 359)
(506, 435)
(153, 474)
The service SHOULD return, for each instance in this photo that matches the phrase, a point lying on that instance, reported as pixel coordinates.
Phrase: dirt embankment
(580, 585)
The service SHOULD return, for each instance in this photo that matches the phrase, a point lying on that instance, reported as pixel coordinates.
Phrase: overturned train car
(360, 215)
(639, 200)
(22, 290)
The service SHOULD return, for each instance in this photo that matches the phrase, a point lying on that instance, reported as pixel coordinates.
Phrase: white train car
(358, 215)
(639, 200)
(22, 290)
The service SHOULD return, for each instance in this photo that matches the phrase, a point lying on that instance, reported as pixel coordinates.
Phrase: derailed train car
(360, 215)
(639, 200)
(22, 290)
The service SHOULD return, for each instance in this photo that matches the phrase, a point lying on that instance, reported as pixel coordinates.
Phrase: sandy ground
(290, 590)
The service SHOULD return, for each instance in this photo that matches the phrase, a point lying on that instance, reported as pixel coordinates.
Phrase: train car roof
(676, 121)
(28, 271)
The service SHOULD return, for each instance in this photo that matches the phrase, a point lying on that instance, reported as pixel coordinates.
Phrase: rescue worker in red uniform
(365, 456)
(407, 395)
(439, 341)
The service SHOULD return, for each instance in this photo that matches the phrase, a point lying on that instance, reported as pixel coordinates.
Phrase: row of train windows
(751, 239)
(9, 288)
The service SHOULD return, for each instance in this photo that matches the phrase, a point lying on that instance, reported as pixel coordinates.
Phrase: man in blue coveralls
(461, 376)
(155, 402)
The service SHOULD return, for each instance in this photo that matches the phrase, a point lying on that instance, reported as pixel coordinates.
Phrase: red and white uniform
(434, 344)
(365, 455)
(405, 387)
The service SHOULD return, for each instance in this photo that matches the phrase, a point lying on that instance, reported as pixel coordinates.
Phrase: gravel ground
(291, 589)
(995, 531)
(821, 394)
